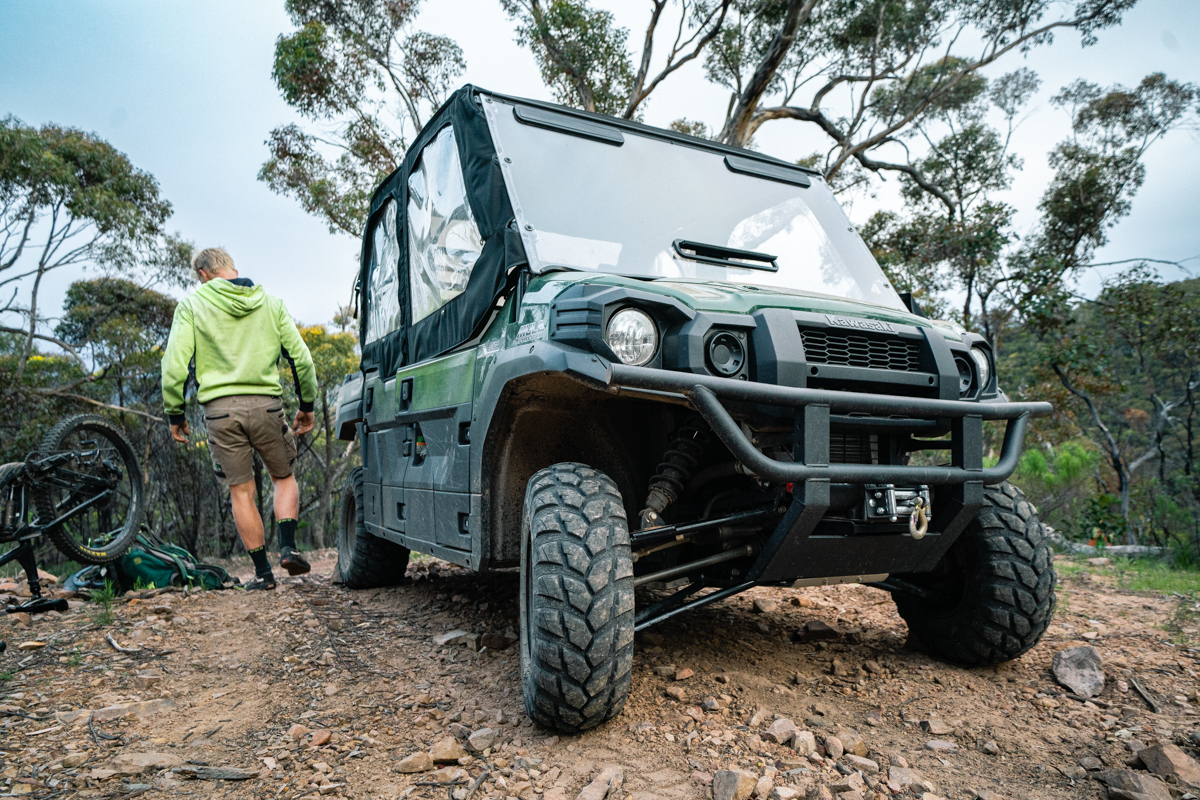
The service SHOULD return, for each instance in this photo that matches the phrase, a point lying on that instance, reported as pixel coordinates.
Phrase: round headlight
(985, 367)
(632, 336)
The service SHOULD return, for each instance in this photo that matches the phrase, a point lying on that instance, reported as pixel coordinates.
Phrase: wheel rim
(97, 466)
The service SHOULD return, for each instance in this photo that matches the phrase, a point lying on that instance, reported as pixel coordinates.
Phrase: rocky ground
(413, 692)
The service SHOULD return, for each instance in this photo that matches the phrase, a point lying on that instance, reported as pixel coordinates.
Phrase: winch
(887, 502)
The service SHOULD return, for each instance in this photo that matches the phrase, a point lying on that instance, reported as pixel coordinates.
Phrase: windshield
(652, 208)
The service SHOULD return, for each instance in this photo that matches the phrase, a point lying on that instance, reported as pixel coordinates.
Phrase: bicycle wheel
(11, 512)
(92, 480)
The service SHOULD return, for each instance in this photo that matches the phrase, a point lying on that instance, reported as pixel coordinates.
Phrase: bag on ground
(151, 562)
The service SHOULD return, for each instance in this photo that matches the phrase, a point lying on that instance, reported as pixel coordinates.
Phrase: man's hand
(305, 421)
(180, 432)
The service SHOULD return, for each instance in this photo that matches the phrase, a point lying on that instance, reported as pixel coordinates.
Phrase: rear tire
(996, 584)
(577, 615)
(365, 561)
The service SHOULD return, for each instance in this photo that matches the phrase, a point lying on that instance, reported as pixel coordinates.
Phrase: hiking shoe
(261, 583)
(289, 559)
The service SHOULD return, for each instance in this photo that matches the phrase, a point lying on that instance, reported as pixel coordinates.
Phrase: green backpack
(151, 562)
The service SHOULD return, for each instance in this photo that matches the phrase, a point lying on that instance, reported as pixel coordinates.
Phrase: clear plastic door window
(383, 302)
(443, 239)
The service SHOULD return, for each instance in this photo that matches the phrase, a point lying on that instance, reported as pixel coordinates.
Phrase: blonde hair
(212, 260)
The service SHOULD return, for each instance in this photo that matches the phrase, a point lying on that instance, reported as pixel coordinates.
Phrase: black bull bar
(792, 552)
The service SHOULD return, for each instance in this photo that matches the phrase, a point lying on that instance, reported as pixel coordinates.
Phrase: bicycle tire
(46, 497)
(8, 472)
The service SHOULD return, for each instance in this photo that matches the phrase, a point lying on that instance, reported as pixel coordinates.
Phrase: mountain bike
(82, 489)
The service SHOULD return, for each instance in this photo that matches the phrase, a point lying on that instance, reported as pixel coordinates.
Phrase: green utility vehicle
(653, 371)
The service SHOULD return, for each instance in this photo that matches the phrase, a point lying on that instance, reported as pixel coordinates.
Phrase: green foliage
(314, 75)
(102, 613)
(354, 67)
(579, 50)
(690, 127)
(67, 170)
(122, 323)
(1061, 482)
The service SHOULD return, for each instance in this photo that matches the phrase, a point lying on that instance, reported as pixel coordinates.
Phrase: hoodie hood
(232, 298)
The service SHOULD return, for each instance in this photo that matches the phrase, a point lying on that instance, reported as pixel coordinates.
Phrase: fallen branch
(1124, 550)
(478, 781)
(1081, 699)
(22, 714)
(123, 409)
(98, 735)
(205, 773)
(108, 637)
(148, 593)
(1150, 701)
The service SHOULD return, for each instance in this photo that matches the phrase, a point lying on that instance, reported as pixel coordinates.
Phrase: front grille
(853, 448)
(861, 350)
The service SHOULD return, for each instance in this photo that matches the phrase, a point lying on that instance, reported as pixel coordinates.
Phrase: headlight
(632, 336)
(985, 368)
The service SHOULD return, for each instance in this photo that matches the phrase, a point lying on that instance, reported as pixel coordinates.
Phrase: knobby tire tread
(44, 501)
(578, 607)
(372, 562)
(1009, 596)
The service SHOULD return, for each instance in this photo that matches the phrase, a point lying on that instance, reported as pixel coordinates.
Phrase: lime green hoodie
(237, 334)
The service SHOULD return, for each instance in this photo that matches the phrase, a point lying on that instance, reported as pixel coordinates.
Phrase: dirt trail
(236, 674)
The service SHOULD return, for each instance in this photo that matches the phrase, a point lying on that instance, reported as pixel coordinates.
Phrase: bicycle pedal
(39, 606)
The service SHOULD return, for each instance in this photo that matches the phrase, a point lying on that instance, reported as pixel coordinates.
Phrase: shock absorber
(683, 453)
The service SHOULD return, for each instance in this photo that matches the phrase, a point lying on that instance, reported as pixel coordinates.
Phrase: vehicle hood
(235, 300)
(732, 298)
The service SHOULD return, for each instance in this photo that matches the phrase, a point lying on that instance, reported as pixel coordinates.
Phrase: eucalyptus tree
(365, 79)
(70, 199)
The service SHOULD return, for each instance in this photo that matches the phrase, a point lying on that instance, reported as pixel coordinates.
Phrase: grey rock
(865, 764)
(482, 739)
(1079, 669)
(1167, 760)
(781, 731)
(733, 784)
(610, 779)
(1124, 784)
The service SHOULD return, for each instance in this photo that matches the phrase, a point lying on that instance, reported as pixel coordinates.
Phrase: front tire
(577, 615)
(994, 589)
(365, 561)
(96, 455)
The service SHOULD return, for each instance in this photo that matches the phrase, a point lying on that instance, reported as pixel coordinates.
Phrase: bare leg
(287, 497)
(245, 514)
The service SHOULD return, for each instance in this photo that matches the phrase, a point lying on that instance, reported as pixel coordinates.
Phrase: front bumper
(817, 408)
(793, 552)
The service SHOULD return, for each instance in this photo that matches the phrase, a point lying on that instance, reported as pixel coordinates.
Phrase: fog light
(965, 376)
(726, 354)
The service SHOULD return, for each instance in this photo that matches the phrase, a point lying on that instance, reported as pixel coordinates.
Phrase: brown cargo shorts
(240, 425)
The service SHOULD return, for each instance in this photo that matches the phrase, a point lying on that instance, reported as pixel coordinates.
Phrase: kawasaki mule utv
(617, 356)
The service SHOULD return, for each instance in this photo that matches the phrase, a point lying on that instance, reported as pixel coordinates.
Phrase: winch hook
(918, 520)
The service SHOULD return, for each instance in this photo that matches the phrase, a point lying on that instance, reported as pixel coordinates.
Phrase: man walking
(237, 333)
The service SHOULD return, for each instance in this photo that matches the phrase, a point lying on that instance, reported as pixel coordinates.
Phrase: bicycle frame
(43, 469)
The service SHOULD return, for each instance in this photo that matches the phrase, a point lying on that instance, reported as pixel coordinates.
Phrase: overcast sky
(185, 90)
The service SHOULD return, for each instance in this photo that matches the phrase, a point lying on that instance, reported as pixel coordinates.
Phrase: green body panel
(442, 382)
(706, 296)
